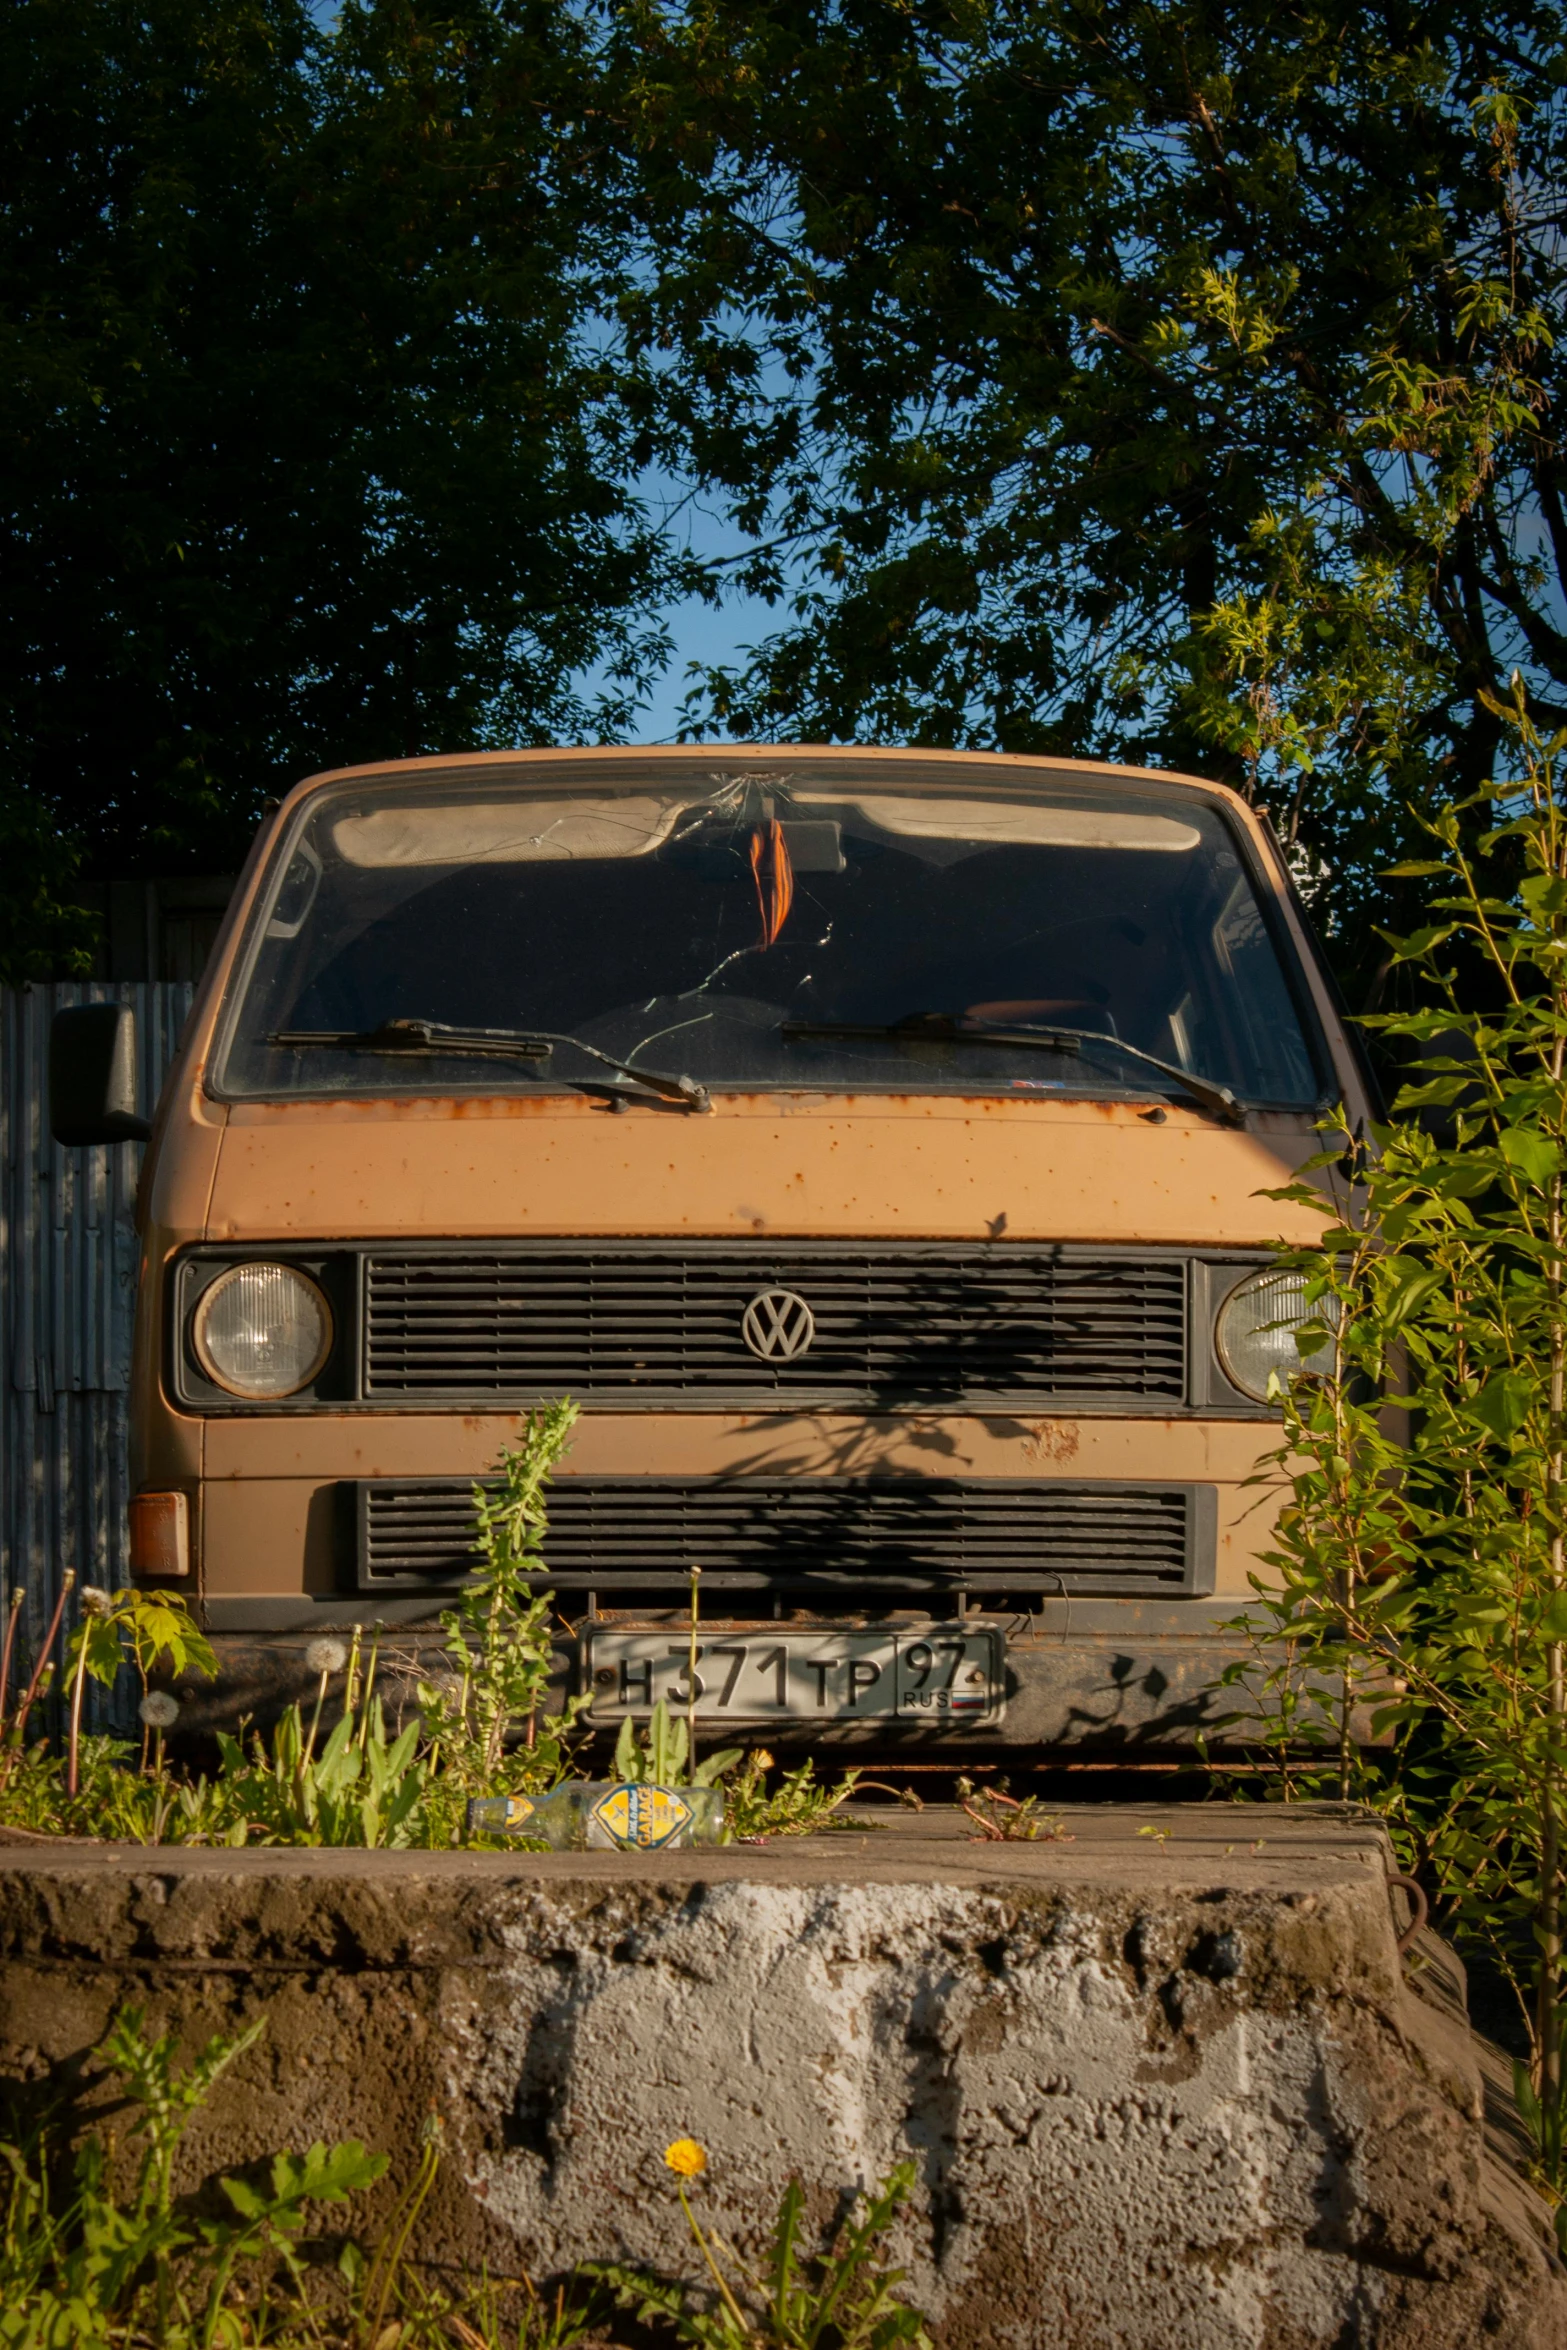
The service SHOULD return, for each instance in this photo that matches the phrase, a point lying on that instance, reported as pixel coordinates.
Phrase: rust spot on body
(1053, 1440)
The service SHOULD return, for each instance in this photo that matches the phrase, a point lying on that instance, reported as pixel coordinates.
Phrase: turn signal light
(160, 1535)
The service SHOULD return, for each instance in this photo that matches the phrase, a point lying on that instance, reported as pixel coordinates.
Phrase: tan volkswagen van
(875, 1143)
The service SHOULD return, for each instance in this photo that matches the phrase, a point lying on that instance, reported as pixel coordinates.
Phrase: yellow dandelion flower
(687, 2158)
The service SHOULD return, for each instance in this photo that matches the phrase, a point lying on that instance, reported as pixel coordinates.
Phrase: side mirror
(92, 1075)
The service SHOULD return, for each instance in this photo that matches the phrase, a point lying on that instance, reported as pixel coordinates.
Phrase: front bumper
(1107, 1679)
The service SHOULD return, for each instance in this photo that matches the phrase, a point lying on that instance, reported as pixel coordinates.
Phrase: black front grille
(837, 1541)
(1003, 1322)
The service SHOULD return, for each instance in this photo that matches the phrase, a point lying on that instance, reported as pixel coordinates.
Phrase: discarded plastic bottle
(547, 1818)
(616, 1815)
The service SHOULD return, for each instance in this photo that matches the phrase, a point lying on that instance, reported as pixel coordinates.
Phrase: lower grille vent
(830, 1541)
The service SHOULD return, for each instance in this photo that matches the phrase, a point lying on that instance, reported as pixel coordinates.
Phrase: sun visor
(1014, 823)
(507, 832)
(523, 831)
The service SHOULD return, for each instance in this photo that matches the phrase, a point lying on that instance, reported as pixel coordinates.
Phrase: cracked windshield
(663, 932)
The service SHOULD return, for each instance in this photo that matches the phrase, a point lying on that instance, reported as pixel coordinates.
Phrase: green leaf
(1462, 1177)
(1504, 1403)
(328, 2173)
(1413, 1284)
(626, 1752)
(785, 2237)
(161, 1625)
(1527, 2102)
(1535, 1155)
(1424, 942)
(1544, 895)
(1433, 1093)
(99, 1636)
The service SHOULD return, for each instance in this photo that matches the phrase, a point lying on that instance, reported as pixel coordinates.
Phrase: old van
(876, 1143)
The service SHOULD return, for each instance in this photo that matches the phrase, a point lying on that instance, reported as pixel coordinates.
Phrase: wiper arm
(941, 1027)
(433, 1038)
(927, 1027)
(1207, 1091)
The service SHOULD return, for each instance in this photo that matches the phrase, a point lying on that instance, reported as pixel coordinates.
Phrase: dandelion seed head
(159, 1710)
(95, 1600)
(686, 2158)
(326, 1656)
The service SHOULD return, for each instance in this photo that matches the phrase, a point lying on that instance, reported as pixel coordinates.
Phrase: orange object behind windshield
(774, 877)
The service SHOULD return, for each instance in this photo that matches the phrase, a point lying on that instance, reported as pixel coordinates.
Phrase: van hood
(880, 1166)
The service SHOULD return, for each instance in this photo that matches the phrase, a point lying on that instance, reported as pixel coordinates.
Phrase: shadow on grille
(823, 1540)
(1000, 1321)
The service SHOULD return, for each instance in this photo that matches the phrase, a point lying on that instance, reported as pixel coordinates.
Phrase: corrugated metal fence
(67, 1294)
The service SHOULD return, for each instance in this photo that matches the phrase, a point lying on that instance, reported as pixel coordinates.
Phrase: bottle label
(639, 1819)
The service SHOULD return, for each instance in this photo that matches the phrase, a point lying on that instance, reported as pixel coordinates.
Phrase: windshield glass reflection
(690, 918)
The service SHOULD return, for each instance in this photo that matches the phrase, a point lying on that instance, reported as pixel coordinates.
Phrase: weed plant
(98, 2251)
(102, 2249)
(660, 1756)
(847, 2299)
(333, 1770)
(313, 1779)
(498, 1639)
(1422, 1583)
(797, 1806)
(1000, 1818)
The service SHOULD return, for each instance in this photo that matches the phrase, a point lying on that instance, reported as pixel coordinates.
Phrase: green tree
(317, 440)
(1172, 383)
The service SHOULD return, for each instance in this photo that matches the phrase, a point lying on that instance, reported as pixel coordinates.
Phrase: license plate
(925, 1672)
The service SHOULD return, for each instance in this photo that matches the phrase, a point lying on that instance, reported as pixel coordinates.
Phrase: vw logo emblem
(778, 1325)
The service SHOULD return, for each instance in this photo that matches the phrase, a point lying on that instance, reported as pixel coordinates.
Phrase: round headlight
(1259, 1331)
(262, 1330)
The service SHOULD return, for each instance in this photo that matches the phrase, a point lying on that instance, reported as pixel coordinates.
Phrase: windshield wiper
(941, 1027)
(435, 1038)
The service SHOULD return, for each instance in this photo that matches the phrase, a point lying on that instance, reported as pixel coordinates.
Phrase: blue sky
(701, 634)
